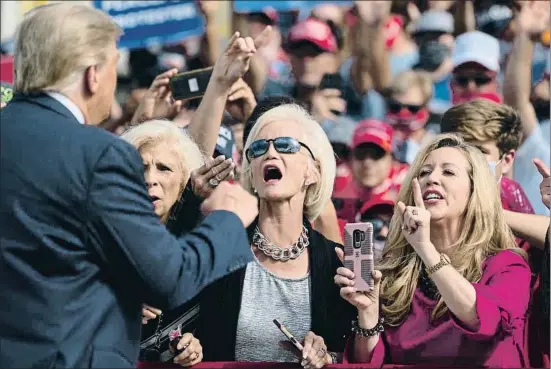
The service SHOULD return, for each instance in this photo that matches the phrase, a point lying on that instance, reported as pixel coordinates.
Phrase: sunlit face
(371, 165)
(164, 176)
(473, 78)
(309, 65)
(445, 184)
(489, 149)
(102, 100)
(279, 176)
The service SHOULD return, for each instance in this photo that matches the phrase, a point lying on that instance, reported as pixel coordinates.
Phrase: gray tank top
(267, 297)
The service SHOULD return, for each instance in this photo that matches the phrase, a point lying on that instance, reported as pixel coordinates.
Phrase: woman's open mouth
(272, 174)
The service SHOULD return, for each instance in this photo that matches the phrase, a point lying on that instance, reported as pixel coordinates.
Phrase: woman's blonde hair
(318, 194)
(55, 43)
(485, 233)
(163, 131)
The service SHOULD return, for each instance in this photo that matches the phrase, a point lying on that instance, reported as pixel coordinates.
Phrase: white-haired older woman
(170, 159)
(455, 287)
(290, 165)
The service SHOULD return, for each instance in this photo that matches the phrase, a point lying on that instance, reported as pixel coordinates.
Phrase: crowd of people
(152, 230)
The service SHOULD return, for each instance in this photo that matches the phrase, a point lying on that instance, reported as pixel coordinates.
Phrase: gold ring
(322, 352)
(414, 212)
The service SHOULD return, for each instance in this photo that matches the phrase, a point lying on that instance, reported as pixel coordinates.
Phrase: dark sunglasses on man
(378, 225)
(396, 107)
(479, 80)
(368, 150)
(283, 145)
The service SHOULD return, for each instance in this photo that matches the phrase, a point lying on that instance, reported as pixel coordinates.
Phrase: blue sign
(240, 6)
(154, 22)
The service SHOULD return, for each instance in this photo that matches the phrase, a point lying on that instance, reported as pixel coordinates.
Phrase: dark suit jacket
(81, 247)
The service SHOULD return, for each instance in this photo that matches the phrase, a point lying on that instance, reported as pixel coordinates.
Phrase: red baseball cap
(315, 31)
(375, 132)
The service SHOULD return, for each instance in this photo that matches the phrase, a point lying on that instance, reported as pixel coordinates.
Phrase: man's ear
(508, 160)
(91, 78)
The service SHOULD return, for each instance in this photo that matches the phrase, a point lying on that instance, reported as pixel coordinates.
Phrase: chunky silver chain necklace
(279, 253)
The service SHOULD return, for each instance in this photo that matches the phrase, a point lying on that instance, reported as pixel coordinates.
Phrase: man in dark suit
(81, 248)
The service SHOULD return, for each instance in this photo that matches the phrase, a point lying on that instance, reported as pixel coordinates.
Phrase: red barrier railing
(257, 365)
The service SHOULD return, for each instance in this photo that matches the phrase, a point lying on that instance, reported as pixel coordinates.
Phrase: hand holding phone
(288, 334)
(358, 254)
(190, 85)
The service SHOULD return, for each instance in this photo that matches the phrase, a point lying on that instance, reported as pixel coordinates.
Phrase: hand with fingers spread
(234, 62)
(157, 101)
(314, 354)
(326, 102)
(149, 313)
(533, 18)
(205, 179)
(366, 302)
(544, 185)
(192, 351)
(416, 221)
(241, 101)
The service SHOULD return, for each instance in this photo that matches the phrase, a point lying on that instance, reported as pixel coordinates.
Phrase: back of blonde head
(319, 194)
(55, 43)
(485, 233)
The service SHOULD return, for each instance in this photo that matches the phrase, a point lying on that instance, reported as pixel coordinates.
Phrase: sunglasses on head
(480, 80)
(396, 107)
(283, 145)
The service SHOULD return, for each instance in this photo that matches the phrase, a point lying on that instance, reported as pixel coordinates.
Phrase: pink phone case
(358, 253)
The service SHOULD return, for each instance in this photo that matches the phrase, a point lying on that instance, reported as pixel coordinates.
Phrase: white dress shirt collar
(65, 101)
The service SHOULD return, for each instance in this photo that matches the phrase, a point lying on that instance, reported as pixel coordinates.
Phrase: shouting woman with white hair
(289, 164)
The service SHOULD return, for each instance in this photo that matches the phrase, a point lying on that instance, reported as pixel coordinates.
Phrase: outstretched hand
(234, 62)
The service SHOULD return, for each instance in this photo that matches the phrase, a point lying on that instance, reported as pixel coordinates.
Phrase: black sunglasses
(378, 225)
(368, 150)
(283, 145)
(463, 81)
(395, 107)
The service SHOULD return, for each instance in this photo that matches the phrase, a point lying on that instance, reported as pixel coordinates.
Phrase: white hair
(318, 194)
(164, 131)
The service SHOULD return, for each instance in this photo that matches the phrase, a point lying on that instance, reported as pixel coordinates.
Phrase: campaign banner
(154, 22)
(240, 6)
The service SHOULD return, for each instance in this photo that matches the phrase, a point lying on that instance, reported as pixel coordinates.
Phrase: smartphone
(288, 334)
(190, 85)
(358, 253)
(332, 81)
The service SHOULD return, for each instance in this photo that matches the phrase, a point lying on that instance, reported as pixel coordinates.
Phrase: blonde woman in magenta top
(452, 288)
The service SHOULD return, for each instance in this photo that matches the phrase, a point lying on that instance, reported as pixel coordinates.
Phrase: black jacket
(331, 314)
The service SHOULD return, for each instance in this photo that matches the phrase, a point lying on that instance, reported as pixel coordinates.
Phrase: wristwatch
(444, 260)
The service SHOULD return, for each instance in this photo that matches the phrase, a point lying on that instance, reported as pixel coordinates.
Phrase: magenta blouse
(502, 298)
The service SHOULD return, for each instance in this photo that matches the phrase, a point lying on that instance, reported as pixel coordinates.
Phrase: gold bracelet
(444, 260)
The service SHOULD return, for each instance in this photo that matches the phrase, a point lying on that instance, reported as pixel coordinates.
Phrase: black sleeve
(186, 213)
(140, 256)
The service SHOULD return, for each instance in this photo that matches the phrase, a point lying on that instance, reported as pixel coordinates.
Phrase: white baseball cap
(477, 47)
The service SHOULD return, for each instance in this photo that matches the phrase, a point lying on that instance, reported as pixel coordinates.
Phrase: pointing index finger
(542, 168)
(417, 195)
(263, 38)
